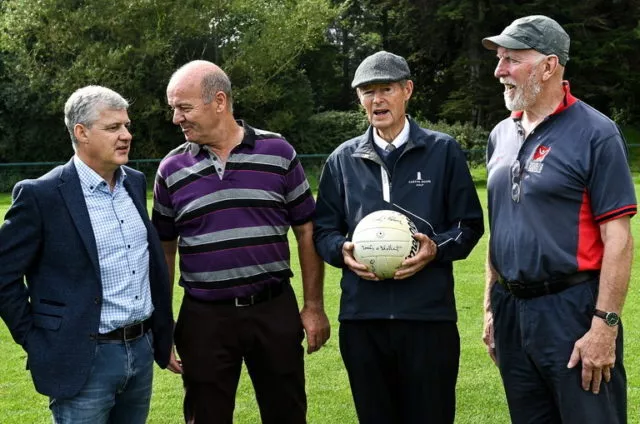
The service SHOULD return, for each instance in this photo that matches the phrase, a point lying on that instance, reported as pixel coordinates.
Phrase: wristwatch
(611, 318)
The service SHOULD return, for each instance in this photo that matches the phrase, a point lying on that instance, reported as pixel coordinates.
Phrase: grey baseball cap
(536, 32)
(381, 67)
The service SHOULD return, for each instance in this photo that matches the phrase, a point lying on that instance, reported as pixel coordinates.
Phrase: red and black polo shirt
(572, 176)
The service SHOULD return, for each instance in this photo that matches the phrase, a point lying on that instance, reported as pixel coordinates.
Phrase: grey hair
(86, 103)
(213, 82)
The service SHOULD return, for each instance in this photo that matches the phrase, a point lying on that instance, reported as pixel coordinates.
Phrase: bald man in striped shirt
(225, 200)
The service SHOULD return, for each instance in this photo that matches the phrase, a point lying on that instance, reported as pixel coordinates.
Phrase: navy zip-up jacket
(431, 184)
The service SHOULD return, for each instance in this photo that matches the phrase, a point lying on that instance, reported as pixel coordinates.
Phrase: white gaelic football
(383, 239)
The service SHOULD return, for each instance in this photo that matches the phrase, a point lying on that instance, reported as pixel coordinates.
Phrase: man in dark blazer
(95, 310)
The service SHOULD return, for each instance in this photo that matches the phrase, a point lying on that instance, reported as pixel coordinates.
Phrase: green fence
(11, 173)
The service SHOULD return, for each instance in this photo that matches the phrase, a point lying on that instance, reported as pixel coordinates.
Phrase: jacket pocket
(48, 322)
(51, 302)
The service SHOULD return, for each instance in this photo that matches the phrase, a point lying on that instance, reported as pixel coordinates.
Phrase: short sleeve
(610, 185)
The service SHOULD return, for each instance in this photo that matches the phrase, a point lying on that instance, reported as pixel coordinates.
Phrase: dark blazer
(48, 240)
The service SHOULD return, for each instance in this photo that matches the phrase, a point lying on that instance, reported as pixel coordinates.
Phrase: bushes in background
(327, 130)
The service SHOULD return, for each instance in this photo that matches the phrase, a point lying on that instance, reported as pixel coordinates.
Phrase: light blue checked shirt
(123, 254)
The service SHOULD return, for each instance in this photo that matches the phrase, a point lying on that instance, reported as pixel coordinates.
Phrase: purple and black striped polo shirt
(232, 220)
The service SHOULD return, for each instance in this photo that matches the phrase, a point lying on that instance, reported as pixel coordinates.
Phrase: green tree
(603, 68)
(271, 88)
(52, 47)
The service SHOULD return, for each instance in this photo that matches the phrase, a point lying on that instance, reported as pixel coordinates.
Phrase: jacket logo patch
(419, 182)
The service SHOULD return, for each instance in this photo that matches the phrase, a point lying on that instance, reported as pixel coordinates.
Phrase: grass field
(480, 397)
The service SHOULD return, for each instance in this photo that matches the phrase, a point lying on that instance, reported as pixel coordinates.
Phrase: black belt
(269, 292)
(127, 333)
(525, 290)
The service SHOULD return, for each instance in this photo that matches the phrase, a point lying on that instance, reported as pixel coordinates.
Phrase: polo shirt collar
(249, 138)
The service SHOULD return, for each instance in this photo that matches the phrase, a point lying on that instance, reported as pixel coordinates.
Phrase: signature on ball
(381, 247)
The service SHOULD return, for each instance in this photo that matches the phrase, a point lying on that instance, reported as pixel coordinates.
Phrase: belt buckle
(240, 304)
(132, 327)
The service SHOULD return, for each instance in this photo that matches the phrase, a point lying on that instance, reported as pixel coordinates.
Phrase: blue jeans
(118, 389)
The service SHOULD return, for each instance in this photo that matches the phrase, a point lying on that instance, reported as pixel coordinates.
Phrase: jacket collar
(71, 192)
(366, 150)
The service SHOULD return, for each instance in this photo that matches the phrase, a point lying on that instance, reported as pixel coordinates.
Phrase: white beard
(525, 95)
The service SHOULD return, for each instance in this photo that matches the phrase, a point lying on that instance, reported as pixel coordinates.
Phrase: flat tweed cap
(381, 67)
(536, 32)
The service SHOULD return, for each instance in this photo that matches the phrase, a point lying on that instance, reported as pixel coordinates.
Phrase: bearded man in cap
(560, 201)
(398, 337)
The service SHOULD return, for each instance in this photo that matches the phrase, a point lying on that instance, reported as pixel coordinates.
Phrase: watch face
(612, 319)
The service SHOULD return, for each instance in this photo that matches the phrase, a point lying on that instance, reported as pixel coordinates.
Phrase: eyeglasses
(516, 174)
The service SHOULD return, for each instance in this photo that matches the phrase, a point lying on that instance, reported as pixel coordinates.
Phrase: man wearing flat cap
(560, 201)
(398, 337)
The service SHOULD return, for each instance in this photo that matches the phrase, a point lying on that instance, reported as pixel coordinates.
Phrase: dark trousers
(401, 372)
(213, 341)
(534, 339)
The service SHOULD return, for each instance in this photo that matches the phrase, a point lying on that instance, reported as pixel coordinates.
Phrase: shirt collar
(400, 139)
(566, 102)
(90, 179)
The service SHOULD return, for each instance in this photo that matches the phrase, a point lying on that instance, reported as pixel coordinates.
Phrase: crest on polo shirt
(535, 165)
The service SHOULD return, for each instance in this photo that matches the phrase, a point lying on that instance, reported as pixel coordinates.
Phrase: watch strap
(611, 318)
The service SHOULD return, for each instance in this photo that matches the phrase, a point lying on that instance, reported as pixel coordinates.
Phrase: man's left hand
(426, 254)
(175, 364)
(316, 326)
(597, 351)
